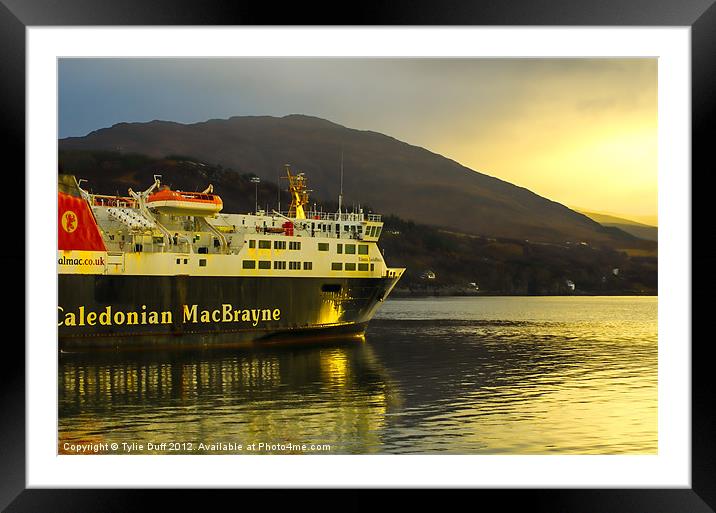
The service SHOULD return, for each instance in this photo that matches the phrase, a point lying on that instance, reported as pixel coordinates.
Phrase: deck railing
(343, 216)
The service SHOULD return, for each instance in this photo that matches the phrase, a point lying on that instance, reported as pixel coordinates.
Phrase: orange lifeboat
(185, 203)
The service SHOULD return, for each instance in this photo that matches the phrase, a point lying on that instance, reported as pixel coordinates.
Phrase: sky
(582, 132)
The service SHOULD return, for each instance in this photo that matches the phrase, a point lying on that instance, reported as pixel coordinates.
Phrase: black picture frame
(17, 15)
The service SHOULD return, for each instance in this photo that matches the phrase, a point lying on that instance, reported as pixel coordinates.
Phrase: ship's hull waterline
(129, 311)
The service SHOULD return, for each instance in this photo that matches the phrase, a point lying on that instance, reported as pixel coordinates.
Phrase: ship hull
(128, 311)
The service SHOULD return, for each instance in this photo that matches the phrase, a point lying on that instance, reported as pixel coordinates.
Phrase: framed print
(558, 368)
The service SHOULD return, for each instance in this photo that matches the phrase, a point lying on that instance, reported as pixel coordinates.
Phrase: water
(477, 375)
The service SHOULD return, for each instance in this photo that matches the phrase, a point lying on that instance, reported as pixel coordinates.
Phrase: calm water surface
(473, 375)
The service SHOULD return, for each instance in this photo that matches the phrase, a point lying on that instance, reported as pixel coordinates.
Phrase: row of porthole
(277, 264)
(349, 266)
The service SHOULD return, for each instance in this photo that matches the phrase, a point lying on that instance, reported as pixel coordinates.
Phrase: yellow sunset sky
(582, 132)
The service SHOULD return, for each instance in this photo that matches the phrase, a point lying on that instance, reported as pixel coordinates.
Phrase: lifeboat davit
(185, 203)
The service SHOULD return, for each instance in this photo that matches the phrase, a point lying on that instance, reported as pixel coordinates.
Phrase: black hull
(115, 312)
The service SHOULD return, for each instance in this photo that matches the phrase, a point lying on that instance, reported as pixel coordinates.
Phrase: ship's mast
(299, 194)
(340, 194)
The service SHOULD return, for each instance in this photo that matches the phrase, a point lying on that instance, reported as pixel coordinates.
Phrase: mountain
(391, 176)
(497, 265)
(643, 231)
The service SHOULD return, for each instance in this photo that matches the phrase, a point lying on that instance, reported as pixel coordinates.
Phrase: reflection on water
(450, 375)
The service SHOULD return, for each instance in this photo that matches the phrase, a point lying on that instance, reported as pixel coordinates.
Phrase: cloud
(497, 115)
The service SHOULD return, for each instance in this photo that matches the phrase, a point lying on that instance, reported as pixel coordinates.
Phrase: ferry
(162, 267)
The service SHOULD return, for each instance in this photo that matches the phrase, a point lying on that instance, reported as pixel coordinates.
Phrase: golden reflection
(334, 367)
(337, 395)
(331, 310)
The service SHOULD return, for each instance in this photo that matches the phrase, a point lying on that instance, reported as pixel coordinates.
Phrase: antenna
(340, 194)
(278, 189)
(256, 180)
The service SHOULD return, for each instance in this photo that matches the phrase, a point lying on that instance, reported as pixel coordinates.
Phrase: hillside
(496, 265)
(392, 176)
(643, 231)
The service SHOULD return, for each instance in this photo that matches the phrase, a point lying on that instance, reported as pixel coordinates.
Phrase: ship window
(202, 262)
(264, 244)
(330, 287)
(279, 264)
(264, 264)
(249, 264)
(279, 244)
(339, 248)
(186, 261)
(350, 249)
(294, 265)
(362, 267)
(178, 260)
(322, 246)
(307, 266)
(363, 249)
(336, 266)
(345, 227)
(294, 245)
(372, 267)
(252, 243)
(350, 267)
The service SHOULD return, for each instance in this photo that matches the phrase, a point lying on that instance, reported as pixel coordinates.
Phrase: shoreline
(407, 293)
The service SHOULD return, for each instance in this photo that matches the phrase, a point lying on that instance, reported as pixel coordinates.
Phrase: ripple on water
(461, 376)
